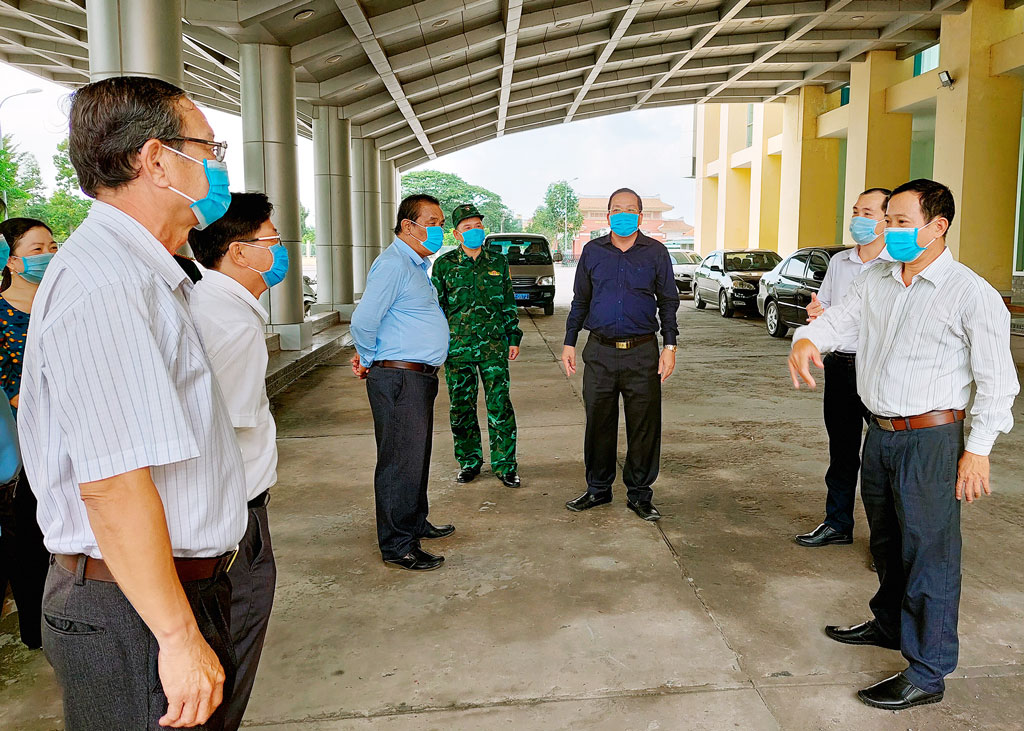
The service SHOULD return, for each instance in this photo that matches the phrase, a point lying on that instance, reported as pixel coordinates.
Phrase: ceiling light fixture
(333, 59)
(449, 57)
(563, 24)
(360, 87)
(680, 3)
(758, 21)
(304, 14)
(655, 35)
(440, 23)
(857, 17)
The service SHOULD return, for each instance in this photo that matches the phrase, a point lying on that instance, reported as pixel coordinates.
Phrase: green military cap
(461, 213)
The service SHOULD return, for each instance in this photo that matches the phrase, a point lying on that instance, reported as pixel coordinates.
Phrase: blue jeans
(908, 480)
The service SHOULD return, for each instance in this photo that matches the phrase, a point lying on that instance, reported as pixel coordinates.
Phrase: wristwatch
(670, 347)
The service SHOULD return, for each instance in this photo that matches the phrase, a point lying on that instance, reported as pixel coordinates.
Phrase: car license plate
(522, 295)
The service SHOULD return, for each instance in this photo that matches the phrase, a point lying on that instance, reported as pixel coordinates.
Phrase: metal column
(388, 202)
(271, 166)
(365, 209)
(332, 170)
(135, 38)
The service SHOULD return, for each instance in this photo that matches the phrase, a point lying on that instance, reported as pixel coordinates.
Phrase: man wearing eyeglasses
(244, 257)
(624, 293)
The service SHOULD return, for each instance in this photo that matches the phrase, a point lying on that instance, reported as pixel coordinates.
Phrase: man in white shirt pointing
(844, 412)
(927, 330)
(243, 257)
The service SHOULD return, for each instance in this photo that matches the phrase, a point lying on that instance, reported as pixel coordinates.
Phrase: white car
(684, 263)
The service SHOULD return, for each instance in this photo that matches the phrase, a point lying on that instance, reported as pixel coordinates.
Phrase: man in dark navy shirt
(624, 287)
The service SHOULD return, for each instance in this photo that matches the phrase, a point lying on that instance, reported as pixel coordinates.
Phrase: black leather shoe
(897, 694)
(824, 535)
(866, 633)
(467, 474)
(510, 479)
(647, 511)
(438, 531)
(416, 560)
(586, 501)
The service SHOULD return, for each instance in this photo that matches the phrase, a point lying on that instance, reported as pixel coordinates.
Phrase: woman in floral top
(25, 250)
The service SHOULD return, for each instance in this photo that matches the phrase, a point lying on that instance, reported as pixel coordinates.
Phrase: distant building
(675, 233)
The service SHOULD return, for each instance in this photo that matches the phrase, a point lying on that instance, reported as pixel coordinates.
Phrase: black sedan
(785, 291)
(729, 279)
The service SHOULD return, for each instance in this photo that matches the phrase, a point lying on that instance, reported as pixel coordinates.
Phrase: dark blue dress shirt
(623, 294)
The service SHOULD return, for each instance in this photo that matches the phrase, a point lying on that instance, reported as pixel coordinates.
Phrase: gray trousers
(105, 657)
(253, 576)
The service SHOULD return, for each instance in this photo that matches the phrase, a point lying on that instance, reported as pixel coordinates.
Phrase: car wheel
(697, 301)
(773, 322)
(549, 309)
(725, 308)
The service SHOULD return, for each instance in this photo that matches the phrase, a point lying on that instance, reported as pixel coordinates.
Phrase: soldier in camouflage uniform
(475, 292)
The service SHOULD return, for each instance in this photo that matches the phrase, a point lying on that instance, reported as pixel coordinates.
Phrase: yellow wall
(733, 183)
(765, 179)
(706, 216)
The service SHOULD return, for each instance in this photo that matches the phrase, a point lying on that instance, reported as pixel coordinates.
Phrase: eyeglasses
(276, 239)
(220, 149)
(613, 211)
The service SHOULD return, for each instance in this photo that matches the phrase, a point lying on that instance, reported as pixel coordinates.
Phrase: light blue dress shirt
(399, 317)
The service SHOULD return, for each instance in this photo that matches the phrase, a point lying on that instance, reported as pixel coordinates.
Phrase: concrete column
(705, 226)
(809, 175)
(733, 183)
(765, 179)
(878, 144)
(332, 169)
(135, 38)
(977, 140)
(271, 166)
(365, 209)
(388, 202)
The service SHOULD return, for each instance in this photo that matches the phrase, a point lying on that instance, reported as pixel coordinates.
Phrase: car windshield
(751, 261)
(522, 250)
(684, 257)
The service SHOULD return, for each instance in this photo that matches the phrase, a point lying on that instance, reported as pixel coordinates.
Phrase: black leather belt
(622, 343)
(408, 366)
(260, 501)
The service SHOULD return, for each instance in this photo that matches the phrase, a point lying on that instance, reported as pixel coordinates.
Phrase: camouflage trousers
(501, 419)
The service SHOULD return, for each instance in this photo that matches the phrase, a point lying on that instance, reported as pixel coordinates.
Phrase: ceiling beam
(513, 13)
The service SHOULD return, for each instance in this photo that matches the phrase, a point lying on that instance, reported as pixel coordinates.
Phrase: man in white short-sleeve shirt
(242, 256)
(126, 440)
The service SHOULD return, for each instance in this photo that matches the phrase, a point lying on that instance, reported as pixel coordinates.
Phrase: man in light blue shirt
(401, 338)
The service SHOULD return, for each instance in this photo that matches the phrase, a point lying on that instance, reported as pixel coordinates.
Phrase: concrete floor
(545, 619)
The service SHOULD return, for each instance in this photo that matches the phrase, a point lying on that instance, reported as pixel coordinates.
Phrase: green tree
(20, 180)
(561, 207)
(308, 232)
(452, 191)
(66, 208)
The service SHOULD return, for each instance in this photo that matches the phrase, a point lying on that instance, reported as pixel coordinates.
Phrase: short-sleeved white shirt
(116, 379)
(231, 322)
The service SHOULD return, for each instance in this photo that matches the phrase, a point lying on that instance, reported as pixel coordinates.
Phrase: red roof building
(655, 225)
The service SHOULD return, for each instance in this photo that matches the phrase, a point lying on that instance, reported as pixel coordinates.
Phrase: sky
(644, 150)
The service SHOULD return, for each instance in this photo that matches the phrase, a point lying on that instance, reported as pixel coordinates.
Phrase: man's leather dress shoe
(438, 531)
(897, 694)
(510, 479)
(467, 474)
(647, 511)
(866, 633)
(416, 560)
(586, 501)
(824, 535)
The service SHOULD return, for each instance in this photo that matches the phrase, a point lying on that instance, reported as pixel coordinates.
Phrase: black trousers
(907, 483)
(402, 403)
(23, 557)
(845, 417)
(632, 374)
(106, 659)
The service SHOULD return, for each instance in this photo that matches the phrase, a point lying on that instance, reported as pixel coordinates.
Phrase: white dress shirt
(842, 270)
(231, 322)
(921, 347)
(116, 379)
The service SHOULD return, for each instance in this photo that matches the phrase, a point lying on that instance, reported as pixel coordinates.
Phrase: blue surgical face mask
(473, 238)
(435, 237)
(5, 251)
(624, 224)
(278, 267)
(863, 229)
(218, 197)
(35, 267)
(901, 243)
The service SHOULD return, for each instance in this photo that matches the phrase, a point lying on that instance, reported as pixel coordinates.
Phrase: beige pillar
(705, 226)
(765, 178)
(733, 183)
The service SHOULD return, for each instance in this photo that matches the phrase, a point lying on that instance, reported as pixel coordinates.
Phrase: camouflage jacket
(476, 297)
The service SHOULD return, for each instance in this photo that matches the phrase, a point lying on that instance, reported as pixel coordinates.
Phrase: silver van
(531, 266)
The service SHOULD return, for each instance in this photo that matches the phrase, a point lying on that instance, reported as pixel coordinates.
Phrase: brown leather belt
(921, 421)
(407, 366)
(189, 569)
(624, 343)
